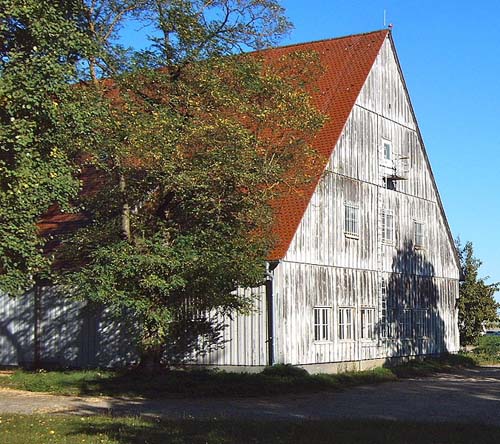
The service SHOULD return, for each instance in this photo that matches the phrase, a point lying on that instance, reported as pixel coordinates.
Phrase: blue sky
(450, 55)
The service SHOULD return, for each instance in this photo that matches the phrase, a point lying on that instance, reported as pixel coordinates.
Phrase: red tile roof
(346, 62)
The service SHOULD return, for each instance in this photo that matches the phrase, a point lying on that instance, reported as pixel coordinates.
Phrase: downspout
(270, 314)
(36, 324)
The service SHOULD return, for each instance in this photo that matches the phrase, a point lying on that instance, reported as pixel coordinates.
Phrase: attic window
(351, 220)
(389, 183)
(386, 150)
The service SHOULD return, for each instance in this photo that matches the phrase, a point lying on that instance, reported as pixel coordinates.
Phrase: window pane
(387, 151)
(351, 219)
(321, 324)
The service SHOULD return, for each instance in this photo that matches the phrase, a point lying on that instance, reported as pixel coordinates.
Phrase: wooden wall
(244, 342)
(324, 267)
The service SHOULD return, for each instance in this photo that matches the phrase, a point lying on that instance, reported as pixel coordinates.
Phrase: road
(471, 395)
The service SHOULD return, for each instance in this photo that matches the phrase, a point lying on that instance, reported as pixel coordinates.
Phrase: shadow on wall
(71, 334)
(411, 321)
(16, 330)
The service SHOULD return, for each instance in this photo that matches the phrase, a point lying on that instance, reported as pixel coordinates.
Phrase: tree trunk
(150, 360)
(126, 234)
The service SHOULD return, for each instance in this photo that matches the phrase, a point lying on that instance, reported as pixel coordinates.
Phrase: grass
(487, 351)
(280, 379)
(44, 429)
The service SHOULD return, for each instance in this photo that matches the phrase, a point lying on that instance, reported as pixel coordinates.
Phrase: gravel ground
(471, 395)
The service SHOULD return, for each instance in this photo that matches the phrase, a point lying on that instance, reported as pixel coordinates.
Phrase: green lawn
(41, 429)
(273, 381)
(186, 383)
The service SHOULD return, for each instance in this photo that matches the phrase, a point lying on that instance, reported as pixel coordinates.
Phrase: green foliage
(285, 370)
(41, 125)
(476, 304)
(190, 156)
(487, 351)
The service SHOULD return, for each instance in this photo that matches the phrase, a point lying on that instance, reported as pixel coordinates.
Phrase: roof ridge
(329, 39)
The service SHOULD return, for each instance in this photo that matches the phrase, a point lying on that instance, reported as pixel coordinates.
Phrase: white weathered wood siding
(244, 342)
(69, 333)
(325, 268)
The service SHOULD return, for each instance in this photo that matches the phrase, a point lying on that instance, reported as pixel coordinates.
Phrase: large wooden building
(364, 270)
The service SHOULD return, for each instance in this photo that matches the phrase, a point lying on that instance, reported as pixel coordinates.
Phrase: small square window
(390, 184)
(388, 226)
(346, 328)
(321, 323)
(418, 234)
(351, 220)
(367, 323)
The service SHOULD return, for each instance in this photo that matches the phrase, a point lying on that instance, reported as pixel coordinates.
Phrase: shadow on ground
(310, 432)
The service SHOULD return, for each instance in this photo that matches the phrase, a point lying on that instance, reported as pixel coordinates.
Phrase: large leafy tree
(476, 304)
(41, 124)
(192, 153)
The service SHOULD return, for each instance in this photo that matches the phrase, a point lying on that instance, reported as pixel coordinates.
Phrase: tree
(476, 303)
(42, 126)
(192, 153)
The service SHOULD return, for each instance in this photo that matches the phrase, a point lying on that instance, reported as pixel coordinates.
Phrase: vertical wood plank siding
(72, 334)
(244, 341)
(324, 267)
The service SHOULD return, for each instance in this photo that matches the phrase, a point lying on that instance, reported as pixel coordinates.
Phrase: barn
(364, 270)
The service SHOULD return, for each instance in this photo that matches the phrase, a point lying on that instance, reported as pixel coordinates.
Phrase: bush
(285, 371)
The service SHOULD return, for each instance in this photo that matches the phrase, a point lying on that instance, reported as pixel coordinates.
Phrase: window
(383, 309)
(388, 226)
(321, 323)
(406, 324)
(389, 183)
(387, 150)
(392, 324)
(351, 220)
(345, 324)
(418, 230)
(422, 323)
(367, 323)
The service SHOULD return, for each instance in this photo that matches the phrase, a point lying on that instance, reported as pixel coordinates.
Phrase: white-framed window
(367, 323)
(422, 321)
(346, 327)
(388, 231)
(386, 150)
(418, 234)
(351, 220)
(406, 323)
(321, 323)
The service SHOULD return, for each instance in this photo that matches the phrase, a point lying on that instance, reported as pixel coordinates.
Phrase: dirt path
(466, 396)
